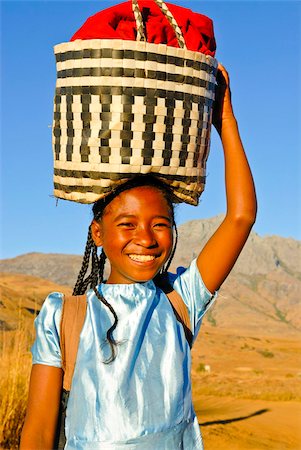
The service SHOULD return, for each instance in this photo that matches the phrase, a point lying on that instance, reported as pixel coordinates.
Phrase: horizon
(257, 41)
(214, 218)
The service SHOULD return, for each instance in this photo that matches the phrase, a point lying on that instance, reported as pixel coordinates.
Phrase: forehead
(142, 199)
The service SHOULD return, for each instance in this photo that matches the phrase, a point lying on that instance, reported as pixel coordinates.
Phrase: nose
(145, 237)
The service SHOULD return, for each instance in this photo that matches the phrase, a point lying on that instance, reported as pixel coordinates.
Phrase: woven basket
(124, 108)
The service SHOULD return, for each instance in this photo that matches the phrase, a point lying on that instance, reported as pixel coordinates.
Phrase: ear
(96, 230)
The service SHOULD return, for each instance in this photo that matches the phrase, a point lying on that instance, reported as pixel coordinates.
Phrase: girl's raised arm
(43, 408)
(222, 250)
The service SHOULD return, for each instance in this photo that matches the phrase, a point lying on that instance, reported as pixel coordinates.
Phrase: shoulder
(189, 279)
(53, 301)
(46, 348)
(189, 285)
(51, 311)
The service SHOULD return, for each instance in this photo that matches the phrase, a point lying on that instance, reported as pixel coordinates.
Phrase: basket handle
(164, 9)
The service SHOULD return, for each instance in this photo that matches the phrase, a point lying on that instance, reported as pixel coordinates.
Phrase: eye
(126, 225)
(162, 225)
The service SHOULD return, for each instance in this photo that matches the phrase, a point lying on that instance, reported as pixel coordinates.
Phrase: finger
(222, 75)
(221, 80)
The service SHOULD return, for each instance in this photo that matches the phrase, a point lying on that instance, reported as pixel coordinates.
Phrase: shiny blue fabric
(142, 400)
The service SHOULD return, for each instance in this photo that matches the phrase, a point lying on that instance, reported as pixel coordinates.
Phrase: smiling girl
(131, 386)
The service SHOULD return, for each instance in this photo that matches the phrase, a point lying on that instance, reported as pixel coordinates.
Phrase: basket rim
(123, 44)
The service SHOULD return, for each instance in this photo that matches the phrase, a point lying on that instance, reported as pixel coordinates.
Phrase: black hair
(97, 263)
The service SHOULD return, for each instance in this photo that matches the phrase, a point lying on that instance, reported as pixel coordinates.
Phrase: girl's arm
(222, 250)
(43, 407)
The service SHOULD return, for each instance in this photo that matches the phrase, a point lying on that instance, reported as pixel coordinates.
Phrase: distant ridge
(59, 268)
(262, 291)
(260, 255)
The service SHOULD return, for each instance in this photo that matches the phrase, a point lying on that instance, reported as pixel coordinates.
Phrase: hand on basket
(222, 108)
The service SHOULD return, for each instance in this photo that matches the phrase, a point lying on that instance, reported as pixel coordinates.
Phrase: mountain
(59, 268)
(262, 292)
(260, 255)
(246, 361)
(264, 286)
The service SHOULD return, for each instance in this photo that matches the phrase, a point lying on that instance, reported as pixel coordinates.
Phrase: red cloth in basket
(118, 22)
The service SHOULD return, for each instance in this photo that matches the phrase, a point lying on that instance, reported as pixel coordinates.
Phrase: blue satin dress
(142, 400)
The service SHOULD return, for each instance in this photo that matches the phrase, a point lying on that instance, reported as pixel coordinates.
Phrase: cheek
(171, 241)
(114, 241)
(168, 240)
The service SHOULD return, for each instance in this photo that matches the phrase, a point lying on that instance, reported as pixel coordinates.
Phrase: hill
(262, 291)
(246, 363)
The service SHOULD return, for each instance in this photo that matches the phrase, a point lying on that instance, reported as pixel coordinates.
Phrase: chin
(141, 277)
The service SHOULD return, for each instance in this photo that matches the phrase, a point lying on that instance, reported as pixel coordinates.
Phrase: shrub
(266, 353)
(15, 365)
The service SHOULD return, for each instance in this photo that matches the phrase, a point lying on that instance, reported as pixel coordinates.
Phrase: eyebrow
(132, 216)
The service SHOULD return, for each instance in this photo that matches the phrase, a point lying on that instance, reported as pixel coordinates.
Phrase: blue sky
(257, 41)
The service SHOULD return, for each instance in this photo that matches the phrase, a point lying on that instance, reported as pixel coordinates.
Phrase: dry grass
(244, 367)
(249, 387)
(15, 365)
(242, 381)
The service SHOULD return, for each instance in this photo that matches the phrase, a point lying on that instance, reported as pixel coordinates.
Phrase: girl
(131, 385)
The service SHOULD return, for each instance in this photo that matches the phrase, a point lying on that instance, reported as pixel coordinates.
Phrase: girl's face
(136, 233)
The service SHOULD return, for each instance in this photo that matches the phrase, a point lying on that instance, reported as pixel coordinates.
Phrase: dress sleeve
(46, 348)
(189, 284)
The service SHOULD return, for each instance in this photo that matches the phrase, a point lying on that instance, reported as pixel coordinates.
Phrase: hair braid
(95, 268)
(95, 277)
(101, 265)
(80, 285)
(165, 269)
(110, 338)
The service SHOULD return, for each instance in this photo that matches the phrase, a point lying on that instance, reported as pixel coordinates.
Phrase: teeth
(142, 258)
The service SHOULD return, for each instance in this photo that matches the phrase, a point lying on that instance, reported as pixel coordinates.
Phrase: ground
(247, 391)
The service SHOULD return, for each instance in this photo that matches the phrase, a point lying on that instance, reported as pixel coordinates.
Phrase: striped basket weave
(124, 108)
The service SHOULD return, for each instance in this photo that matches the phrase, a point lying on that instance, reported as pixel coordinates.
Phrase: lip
(150, 258)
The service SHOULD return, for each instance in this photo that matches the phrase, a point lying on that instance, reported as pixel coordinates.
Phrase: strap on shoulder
(179, 307)
(73, 317)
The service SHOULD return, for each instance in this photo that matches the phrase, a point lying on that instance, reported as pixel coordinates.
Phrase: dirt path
(237, 424)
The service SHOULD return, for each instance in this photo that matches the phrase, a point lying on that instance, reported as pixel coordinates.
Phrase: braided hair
(97, 263)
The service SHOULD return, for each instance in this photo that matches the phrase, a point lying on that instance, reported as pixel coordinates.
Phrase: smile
(141, 258)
